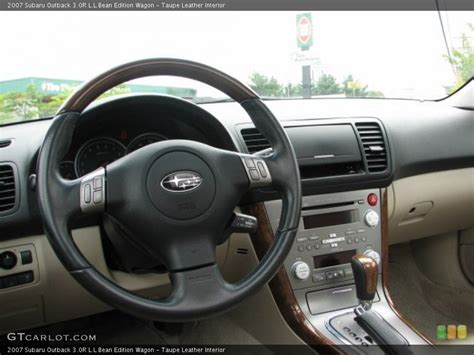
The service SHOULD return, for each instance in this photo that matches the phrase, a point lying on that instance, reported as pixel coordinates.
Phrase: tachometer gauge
(143, 140)
(66, 169)
(96, 153)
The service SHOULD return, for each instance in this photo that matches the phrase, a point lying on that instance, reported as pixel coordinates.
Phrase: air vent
(5, 143)
(375, 151)
(7, 188)
(254, 140)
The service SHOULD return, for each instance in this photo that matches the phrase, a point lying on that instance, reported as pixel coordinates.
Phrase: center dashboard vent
(254, 140)
(375, 150)
(8, 193)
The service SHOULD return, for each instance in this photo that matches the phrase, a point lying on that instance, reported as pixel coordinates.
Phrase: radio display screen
(333, 259)
(329, 219)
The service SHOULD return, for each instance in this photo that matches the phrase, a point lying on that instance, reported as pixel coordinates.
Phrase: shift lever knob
(365, 270)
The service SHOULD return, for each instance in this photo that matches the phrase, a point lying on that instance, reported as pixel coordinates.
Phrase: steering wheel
(175, 197)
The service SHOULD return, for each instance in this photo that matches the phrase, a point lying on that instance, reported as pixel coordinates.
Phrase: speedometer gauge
(143, 140)
(96, 153)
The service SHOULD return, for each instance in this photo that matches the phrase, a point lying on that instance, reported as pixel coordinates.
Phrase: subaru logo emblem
(181, 181)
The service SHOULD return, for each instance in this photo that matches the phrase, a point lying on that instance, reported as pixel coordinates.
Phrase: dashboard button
(314, 237)
(371, 218)
(308, 247)
(10, 281)
(350, 232)
(319, 277)
(26, 257)
(356, 240)
(363, 238)
(300, 248)
(301, 239)
(300, 270)
(349, 240)
(25, 277)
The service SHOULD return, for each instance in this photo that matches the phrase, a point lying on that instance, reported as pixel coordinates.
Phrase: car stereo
(333, 228)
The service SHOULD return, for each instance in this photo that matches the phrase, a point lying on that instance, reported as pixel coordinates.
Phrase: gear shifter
(365, 270)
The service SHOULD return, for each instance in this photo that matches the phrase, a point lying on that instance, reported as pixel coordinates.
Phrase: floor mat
(425, 303)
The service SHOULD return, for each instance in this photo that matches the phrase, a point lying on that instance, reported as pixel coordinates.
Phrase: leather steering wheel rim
(198, 288)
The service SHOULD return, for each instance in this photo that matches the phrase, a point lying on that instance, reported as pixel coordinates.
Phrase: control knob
(8, 260)
(300, 270)
(373, 254)
(371, 218)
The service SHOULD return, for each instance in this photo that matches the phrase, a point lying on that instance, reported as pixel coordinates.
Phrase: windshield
(336, 54)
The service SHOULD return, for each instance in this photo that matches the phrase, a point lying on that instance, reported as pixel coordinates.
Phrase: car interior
(342, 224)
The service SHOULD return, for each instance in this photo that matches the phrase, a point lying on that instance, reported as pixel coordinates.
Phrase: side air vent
(375, 150)
(254, 140)
(7, 188)
(5, 143)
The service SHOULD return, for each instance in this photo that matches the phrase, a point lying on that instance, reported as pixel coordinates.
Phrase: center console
(333, 229)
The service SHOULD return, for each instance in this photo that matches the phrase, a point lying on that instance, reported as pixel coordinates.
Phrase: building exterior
(51, 87)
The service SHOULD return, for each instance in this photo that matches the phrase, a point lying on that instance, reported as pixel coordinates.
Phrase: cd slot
(331, 205)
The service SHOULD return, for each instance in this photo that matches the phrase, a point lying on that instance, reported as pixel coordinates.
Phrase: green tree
(265, 86)
(326, 85)
(462, 60)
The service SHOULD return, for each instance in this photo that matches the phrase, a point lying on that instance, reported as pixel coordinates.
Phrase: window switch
(26, 257)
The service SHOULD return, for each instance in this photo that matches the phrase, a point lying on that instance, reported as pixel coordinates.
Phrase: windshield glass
(343, 54)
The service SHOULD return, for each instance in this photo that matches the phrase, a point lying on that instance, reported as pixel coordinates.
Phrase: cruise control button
(98, 196)
(254, 174)
(98, 182)
(87, 193)
(262, 169)
(249, 162)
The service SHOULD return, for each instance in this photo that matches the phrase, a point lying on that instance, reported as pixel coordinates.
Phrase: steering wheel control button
(181, 185)
(261, 169)
(93, 191)
(371, 218)
(243, 223)
(254, 174)
(301, 270)
(249, 163)
(26, 257)
(8, 260)
(87, 193)
(257, 171)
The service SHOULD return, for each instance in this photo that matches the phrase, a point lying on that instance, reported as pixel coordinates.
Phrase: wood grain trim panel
(282, 292)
